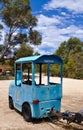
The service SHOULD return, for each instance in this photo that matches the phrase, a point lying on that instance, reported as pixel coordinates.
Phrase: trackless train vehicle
(35, 91)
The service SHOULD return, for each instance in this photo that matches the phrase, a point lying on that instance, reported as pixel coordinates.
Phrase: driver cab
(37, 86)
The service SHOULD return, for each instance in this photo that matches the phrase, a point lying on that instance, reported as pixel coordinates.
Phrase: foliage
(1, 27)
(55, 70)
(36, 53)
(71, 52)
(24, 51)
(7, 77)
(19, 25)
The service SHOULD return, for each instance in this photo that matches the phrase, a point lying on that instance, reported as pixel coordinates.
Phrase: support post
(40, 74)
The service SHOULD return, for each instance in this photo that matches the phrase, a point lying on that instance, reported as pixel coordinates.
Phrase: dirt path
(12, 120)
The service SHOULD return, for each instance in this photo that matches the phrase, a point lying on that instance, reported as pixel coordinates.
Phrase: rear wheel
(26, 112)
(11, 106)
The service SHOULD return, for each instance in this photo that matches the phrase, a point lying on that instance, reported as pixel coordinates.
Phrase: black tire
(78, 118)
(11, 106)
(26, 112)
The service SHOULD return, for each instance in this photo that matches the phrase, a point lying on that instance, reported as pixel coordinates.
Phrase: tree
(37, 53)
(24, 51)
(71, 52)
(17, 16)
(1, 27)
(72, 46)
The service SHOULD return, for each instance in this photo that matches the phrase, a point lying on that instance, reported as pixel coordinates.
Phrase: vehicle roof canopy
(41, 59)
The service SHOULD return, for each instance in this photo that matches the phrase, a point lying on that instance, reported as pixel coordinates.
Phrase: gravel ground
(72, 100)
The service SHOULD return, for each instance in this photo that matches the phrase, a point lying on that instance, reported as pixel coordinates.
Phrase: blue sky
(58, 20)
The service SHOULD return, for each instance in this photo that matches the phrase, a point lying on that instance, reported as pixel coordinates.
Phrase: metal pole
(40, 72)
(48, 73)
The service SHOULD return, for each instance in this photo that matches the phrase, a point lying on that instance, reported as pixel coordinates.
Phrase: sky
(58, 20)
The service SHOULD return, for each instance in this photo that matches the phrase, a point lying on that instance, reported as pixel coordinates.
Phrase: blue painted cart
(34, 91)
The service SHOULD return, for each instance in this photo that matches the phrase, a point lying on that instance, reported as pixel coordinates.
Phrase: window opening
(55, 77)
(41, 74)
(27, 74)
(18, 75)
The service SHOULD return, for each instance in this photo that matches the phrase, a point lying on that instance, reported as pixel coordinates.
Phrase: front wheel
(26, 112)
(11, 106)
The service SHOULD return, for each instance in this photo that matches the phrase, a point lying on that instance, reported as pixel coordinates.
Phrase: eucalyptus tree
(72, 53)
(70, 47)
(23, 51)
(18, 24)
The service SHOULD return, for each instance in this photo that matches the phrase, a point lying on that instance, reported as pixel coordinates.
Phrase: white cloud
(73, 5)
(46, 21)
(52, 35)
(64, 13)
